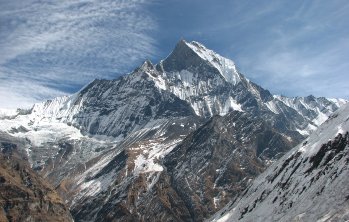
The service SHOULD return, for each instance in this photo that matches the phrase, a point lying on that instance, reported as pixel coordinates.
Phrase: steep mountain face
(117, 107)
(117, 148)
(310, 183)
(197, 177)
(217, 161)
(24, 196)
(201, 77)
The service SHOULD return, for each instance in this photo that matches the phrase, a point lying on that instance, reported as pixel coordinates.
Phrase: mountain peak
(181, 42)
(147, 65)
(194, 45)
(189, 54)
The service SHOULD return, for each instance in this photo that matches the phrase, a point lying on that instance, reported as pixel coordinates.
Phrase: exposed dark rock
(209, 161)
(24, 195)
(328, 151)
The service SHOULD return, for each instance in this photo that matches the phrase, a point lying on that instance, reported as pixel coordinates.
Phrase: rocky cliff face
(310, 183)
(114, 148)
(24, 195)
(217, 161)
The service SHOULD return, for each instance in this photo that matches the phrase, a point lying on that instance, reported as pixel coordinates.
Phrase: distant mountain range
(175, 141)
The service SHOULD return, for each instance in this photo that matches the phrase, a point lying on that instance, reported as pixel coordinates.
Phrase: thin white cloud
(49, 45)
(305, 53)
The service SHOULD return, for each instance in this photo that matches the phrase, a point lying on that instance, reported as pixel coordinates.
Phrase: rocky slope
(310, 183)
(24, 196)
(217, 161)
(192, 181)
(109, 148)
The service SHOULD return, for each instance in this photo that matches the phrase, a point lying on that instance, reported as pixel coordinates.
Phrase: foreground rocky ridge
(310, 183)
(24, 195)
(111, 149)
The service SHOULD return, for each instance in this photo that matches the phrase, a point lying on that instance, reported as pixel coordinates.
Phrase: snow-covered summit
(225, 66)
(188, 55)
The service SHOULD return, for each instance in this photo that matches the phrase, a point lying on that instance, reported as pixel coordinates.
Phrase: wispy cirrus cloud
(50, 48)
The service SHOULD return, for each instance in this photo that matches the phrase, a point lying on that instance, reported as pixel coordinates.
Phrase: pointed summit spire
(147, 64)
(181, 41)
(182, 57)
(187, 55)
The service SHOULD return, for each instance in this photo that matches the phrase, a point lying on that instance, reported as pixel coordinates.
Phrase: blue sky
(52, 48)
